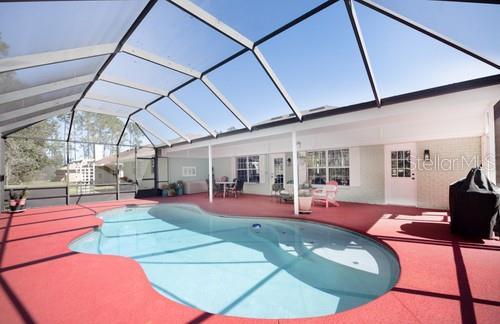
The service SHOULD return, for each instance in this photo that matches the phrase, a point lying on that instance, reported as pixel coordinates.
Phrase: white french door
(277, 168)
(400, 174)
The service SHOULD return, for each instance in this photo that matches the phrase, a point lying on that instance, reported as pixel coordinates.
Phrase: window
(247, 169)
(338, 166)
(400, 164)
(335, 168)
(316, 167)
(189, 171)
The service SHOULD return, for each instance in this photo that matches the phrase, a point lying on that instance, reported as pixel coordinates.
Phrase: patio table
(224, 183)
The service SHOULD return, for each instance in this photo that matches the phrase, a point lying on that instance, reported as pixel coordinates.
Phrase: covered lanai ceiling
(184, 70)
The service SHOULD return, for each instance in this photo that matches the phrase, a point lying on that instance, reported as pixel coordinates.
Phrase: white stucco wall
(371, 177)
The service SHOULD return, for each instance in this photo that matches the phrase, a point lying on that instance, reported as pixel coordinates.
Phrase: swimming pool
(247, 267)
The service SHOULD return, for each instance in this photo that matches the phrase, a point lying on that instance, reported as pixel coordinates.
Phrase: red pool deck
(444, 279)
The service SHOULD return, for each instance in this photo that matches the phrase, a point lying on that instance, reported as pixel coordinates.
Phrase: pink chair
(327, 194)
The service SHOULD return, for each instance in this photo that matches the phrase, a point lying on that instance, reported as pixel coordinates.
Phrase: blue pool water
(232, 266)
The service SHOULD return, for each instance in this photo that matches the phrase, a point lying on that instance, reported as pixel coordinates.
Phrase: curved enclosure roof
(178, 70)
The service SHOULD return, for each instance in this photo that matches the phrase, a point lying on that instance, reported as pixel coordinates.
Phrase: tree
(133, 135)
(28, 154)
(8, 81)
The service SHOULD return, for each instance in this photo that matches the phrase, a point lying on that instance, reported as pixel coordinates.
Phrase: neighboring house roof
(128, 155)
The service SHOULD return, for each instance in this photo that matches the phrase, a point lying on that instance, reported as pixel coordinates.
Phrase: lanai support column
(210, 175)
(295, 175)
(118, 172)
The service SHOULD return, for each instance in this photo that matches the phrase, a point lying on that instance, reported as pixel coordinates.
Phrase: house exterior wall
(451, 160)
(128, 169)
(175, 169)
(450, 125)
(368, 188)
(371, 174)
(432, 183)
(104, 175)
(222, 167)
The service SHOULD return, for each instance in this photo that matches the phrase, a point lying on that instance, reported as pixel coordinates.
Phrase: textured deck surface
(444, 279)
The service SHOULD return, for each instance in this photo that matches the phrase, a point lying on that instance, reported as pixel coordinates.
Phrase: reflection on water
(284, 269)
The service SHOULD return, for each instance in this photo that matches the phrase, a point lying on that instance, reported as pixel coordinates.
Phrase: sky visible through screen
(317, 61)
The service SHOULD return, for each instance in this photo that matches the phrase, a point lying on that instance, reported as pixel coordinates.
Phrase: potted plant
(180, 188)
(305, 200)
(17, 202)
(22, 198)
(172, 189)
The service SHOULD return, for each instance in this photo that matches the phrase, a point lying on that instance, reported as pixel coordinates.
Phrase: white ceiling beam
(226, 102)
(42, 106)
(26, 61)
(133, 85)
(168, 124)
(156, 59)
(111, 100)
(191, 114)
(277, 83)
(104, 108)
(44, 88)
(34, 119)
(142, 125)
(212, 21)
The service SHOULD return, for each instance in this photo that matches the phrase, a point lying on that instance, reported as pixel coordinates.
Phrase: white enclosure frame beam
(210, 175)
(133, 85)
(156, 59)
(191, 114)
(32, 120)
(168, 124)
(146, 127)
(111, 100)
(98, 110)
(38, 59)
(231, 33)
(44, 88)
(295, 170)
(427, 31)
(277, 83)
(145, 135)
(362, 48)
(38, 107)
(225, 102)
(212, 21)
(155, 115)
(162, 93)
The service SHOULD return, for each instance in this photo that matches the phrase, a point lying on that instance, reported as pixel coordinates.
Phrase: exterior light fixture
(427, 155)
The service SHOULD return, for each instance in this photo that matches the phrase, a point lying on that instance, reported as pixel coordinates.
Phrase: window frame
(344, 152)
(344, 156)
(247, 167)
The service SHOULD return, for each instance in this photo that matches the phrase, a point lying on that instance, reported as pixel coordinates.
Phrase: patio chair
(275, 190)
(237, 188)
(217, 189)
(285, 196)
(326, 195)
